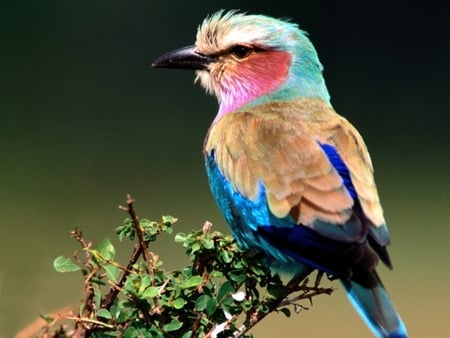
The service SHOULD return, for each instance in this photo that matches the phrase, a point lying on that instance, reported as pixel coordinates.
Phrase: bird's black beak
(183, 58)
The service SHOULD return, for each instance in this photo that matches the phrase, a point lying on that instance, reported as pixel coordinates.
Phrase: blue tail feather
(376, 308)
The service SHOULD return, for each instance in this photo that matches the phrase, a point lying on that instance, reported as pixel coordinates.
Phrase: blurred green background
(85, 121)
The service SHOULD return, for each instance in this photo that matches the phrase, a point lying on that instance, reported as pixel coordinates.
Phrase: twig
(139, 248)
(195, 325)
(114, 291)
(91, 321)
(309, 293)
(78, 236)
(318, 278)
(143, 245)
(112, 262)
(130, 209)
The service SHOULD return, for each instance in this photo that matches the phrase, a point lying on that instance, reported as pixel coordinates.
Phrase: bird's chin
(204, 78)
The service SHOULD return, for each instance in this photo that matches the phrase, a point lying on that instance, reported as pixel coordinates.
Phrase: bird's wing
(281, 146)
(351, 147)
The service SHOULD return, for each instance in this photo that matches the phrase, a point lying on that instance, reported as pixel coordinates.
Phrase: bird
(292, 178)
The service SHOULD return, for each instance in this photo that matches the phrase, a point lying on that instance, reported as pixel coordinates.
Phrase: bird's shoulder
(310, 117)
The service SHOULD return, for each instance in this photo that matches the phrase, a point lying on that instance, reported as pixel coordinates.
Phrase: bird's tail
(376, 308)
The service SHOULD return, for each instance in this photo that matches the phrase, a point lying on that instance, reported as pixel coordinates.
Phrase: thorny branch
(88, 322)
(139, 248)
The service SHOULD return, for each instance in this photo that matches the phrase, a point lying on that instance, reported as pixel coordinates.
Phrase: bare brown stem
(139, 249)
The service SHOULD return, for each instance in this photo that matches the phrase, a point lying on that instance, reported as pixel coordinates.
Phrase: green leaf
(63, 264)
(187, 334)
(180, 237)
(178, 303)
(145, 223)
(123, 311)
(195, 247)
(276, 290)
(192, 282)
(207, 304)
(150, 292)
(208, 243)
(131, 332)
(211, 307)
(97, 334)
(202, 302)
(169, 219)
(286, 311)
(103, 313)
(173, 325)
(106, 249)
(225, 289)
(238, 264)
(264, 308)
(167, 229)
(112, 272)
(217, 274)
(97, 296)
(225, 256)
(146, 281)
(130, 286)
(246, 305)
(238, 276)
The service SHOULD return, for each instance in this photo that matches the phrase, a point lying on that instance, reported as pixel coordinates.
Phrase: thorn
(298, 308)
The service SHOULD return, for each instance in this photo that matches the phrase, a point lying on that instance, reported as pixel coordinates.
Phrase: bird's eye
(240, 51)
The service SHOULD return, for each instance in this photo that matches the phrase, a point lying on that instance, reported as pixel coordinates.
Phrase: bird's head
(251, 59)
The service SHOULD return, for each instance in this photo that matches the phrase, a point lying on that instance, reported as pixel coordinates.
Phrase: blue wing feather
(340, 167)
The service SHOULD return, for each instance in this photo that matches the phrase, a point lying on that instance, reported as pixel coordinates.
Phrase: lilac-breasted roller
(292, 177)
